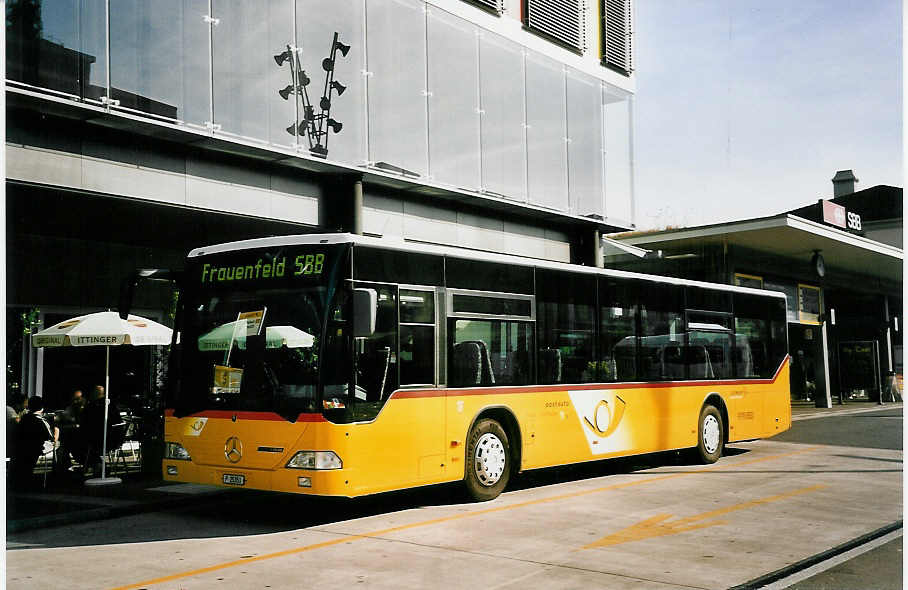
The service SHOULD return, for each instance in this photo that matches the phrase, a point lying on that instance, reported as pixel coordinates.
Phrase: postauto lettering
(304, 264)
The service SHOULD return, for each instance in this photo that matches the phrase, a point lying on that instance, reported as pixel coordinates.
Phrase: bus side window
(759, 349)
(417, 337)
(490, 352)
(617, 331)
(661, 318)
(565, 323)
(375, 356)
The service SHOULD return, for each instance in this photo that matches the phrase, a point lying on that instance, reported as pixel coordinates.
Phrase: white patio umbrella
(104, 328)
(225, 335)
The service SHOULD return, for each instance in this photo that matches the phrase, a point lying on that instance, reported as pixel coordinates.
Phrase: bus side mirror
(365, 310)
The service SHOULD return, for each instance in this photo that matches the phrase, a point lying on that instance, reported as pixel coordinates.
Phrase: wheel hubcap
(711, 434)
(489, 459)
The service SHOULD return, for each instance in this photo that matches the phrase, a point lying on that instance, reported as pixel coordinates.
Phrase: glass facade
(159, 58)
(411, 89)
(453, 101)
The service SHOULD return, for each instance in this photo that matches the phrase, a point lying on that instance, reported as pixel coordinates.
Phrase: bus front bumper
(333, 482)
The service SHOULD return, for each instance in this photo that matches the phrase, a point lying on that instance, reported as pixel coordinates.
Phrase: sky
(747, 108)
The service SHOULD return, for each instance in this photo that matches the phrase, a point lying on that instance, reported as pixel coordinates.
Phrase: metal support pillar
(821, 372)
(598, 257)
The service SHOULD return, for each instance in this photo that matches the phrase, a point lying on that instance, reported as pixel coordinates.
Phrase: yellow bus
(346, 365)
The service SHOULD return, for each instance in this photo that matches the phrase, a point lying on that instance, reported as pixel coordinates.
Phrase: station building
(839, 261)
(137, 130)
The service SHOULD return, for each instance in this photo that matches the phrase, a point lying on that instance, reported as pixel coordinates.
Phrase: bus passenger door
(401, 442)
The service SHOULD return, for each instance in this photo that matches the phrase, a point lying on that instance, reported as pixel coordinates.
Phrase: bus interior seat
(374, 372)
(472, 365)
(466, 365)
(698, 359)
(717, 360)
(673, 362)
(487, 376)
(550, 365)
(518, 366)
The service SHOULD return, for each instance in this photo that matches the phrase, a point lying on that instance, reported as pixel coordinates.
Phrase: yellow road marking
(658, 527)
(443, 519)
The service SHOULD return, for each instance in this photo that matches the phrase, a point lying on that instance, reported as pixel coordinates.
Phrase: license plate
(234, 480)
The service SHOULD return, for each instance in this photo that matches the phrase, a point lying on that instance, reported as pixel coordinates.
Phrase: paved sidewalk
(66, 502)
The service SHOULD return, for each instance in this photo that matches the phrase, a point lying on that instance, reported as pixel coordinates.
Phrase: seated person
(32, 433)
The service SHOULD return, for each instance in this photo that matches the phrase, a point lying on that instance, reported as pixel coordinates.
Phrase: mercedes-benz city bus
(346, 365)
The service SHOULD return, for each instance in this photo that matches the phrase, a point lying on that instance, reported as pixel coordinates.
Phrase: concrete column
(598, 258)
(356, 215)
(340, 207)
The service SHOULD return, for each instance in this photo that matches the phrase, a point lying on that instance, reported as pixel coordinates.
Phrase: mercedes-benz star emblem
(233, 449)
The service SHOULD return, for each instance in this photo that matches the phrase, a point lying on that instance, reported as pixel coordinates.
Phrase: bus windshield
(266, 344)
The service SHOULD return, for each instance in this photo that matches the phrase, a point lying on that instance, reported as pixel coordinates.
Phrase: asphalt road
(656, 521)
(870, 430)
(880, 568)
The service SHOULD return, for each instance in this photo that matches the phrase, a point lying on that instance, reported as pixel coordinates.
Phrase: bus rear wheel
(711, 435)
(488, 460)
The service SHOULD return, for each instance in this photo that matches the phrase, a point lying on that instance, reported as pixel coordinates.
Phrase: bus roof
(423, 248)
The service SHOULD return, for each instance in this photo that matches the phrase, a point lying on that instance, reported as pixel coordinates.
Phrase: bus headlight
(176, 451)
(315, 460)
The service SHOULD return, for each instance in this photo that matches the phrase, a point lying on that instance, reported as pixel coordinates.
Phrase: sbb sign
(837, 215)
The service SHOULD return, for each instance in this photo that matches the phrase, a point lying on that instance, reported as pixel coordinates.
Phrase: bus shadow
(251, 512)
(606, 467)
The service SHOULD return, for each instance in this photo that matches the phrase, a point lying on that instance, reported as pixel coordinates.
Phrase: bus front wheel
(488, 460)
(711, 434)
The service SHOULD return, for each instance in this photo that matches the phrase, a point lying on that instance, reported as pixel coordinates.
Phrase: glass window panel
(489, 352)
(316, 23)
(396, 266)
(375, 356)
(585, 146)
(488, 276)
(504, 166)
(417, 355)
(246, 77)
(618, 318)
(159, 57)
(93, 42)
(566, 327)
(42, 44)
(546, 154)
(791, 296)
(662, 333)
(397, 101)
(58, 44)
(491, 305)
(708, 299)
(709, 355)
(453, 100)
(618, 160)
(417, 307)
(753, 339)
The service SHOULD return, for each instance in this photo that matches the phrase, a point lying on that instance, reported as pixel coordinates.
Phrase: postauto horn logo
(600, 414)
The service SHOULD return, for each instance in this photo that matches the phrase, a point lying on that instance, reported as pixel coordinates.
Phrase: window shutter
(496, 6)
(617, 31)
(563, 20)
